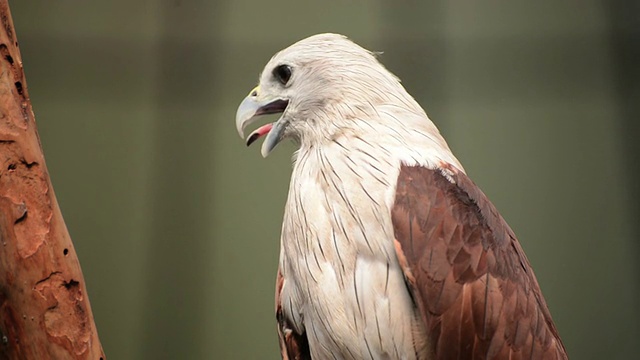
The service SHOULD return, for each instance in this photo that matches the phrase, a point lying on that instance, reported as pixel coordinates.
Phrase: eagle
(388, 250)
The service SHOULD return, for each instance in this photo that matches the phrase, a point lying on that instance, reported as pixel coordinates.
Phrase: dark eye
(282, 73)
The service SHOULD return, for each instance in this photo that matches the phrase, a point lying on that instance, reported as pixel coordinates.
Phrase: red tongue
(258, 133)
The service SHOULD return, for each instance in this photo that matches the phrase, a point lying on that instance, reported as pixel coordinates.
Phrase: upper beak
(252, 107)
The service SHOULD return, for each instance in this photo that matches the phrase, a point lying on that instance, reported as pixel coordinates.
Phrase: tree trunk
(44, 308)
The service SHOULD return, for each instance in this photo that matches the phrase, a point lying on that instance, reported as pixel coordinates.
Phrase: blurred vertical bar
(624, 33)
(412, 36)
(624, 23)
(177, 282)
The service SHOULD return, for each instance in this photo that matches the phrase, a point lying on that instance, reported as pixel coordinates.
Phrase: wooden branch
(44, 308)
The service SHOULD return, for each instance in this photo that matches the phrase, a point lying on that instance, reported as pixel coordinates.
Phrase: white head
(319, 84)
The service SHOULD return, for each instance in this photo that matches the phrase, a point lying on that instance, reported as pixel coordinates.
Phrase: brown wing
(293, 346)
(468, 275)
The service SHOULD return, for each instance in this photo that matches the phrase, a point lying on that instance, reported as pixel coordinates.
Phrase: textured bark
(44, 308)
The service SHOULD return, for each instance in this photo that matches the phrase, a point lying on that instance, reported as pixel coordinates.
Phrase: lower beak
(249, 110)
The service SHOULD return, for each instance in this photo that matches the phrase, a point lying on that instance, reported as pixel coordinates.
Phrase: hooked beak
(249, 110)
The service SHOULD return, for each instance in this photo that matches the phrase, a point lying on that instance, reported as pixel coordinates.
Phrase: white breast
(343, 285)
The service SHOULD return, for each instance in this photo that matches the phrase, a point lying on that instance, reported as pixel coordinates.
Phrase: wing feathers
(468, 275)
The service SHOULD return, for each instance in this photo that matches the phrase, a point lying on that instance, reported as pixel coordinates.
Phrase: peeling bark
(44, 309)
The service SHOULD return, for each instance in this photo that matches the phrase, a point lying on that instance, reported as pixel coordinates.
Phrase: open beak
(249, 110)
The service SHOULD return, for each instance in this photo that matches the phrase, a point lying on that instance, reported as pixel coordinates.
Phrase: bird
(388, 250)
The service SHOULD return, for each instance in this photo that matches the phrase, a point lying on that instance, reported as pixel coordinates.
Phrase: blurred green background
(177, 224)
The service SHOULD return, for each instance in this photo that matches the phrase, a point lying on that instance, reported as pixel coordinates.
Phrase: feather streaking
(379, 261)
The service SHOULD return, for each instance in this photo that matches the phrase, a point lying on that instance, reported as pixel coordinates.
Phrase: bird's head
(319, 85)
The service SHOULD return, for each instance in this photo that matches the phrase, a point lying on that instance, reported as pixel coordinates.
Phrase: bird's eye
(282, 73)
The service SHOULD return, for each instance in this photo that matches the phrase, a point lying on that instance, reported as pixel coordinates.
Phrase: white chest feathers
(343, 286)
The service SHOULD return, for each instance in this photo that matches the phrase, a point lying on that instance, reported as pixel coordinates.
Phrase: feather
(477, 294)
(388, 250)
